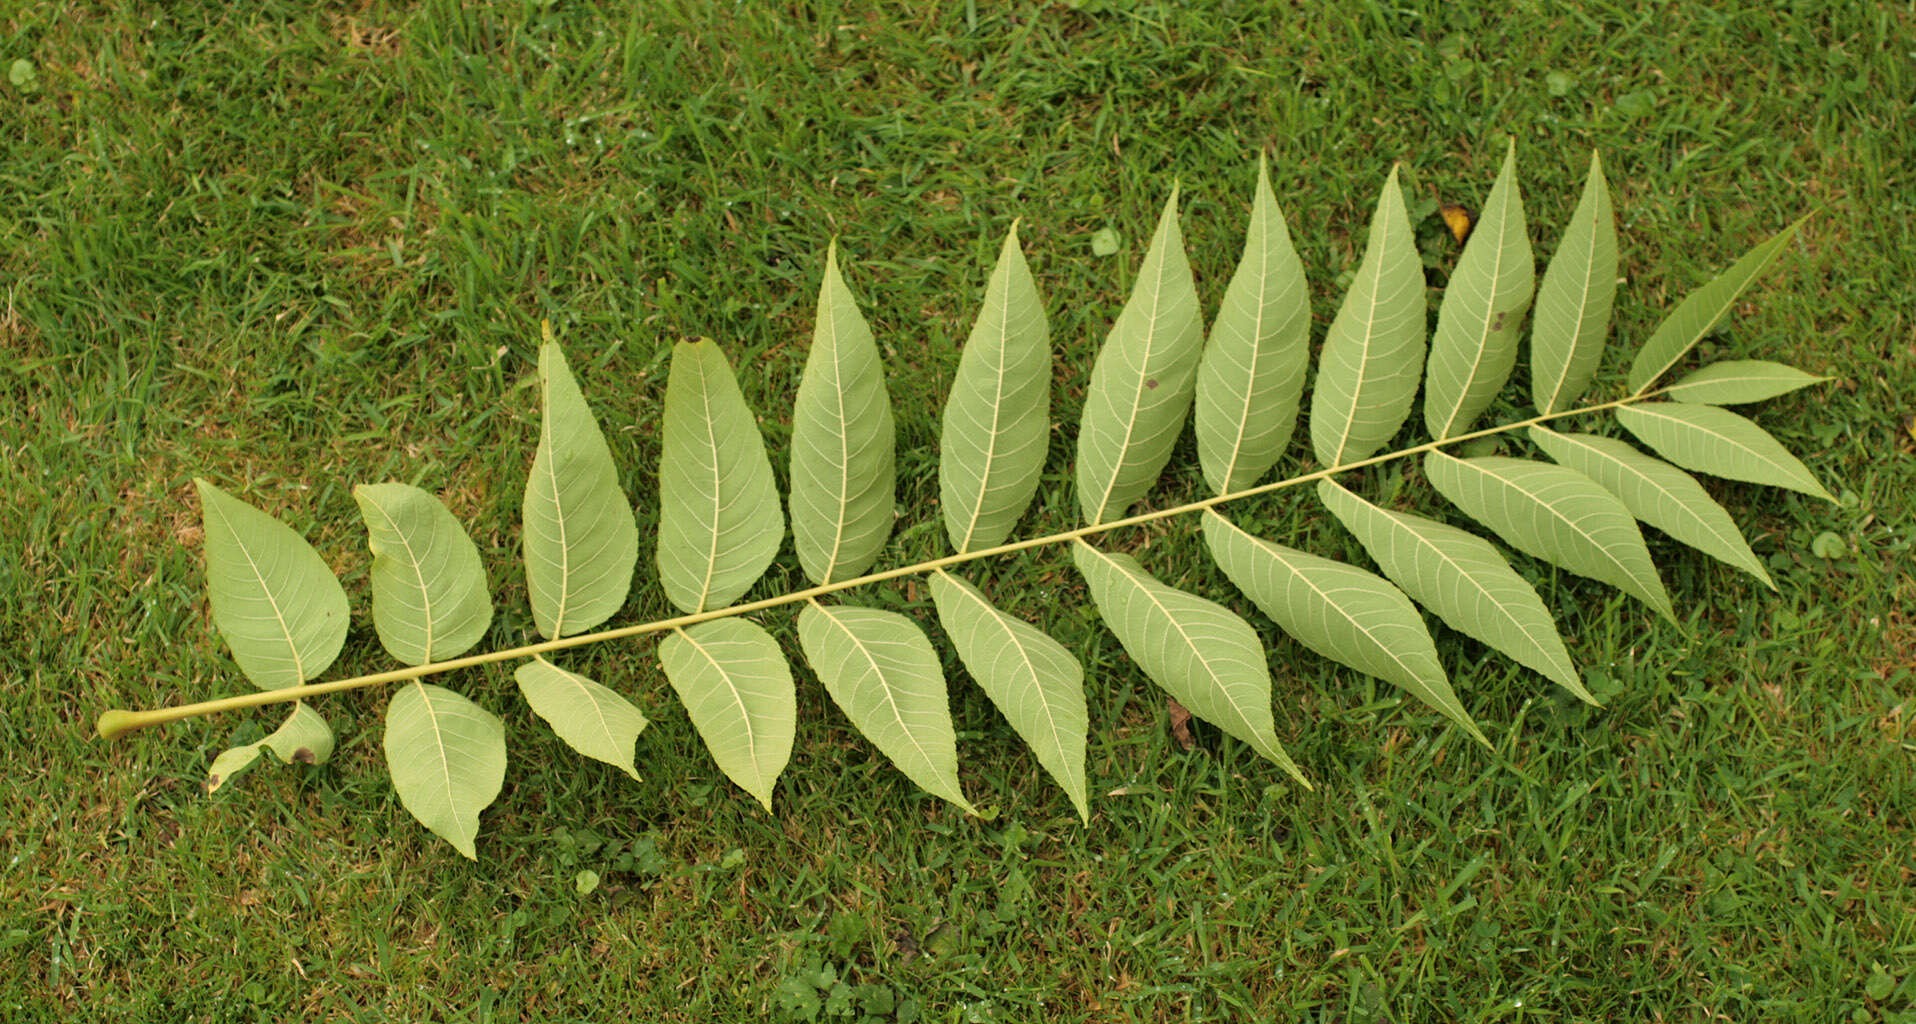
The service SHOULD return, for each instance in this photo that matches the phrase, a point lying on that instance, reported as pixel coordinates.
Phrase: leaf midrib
(1262, 228)
(891, 703)
(1482, 346)
(732, 690)
(997, 411)
(1369, 334)
(1197, 650)
(997, 618)
(1582, 307)
(419, 576)
(266, 591)
(1155, 298)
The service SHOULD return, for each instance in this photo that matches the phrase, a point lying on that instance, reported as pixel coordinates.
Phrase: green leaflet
(1142, 382)
(429, 588)
(733, 681)
(581, 543)
(997, 425)
(1716, 441)
(719, 522)
(1463, 579)
(885, 676)
(1700, 311)
(281, 610)
(1478, 325)
(1032, 678)
(1737, 381)
(1573, 303)
(1657, 493)
(447, 757)
(1367, 373)
(1339, 611)
(304, 738)
(842, 437)
(590, 718)
(1200, 653)
(1251, 375)
(1555, 514)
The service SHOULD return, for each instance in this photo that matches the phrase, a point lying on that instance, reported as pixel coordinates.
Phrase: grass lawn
(291, 247)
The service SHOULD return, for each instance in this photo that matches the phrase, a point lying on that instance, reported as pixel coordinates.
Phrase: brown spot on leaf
(304, 755)
(1150, 382)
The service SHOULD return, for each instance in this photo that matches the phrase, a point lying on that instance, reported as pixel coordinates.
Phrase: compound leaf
(1367, 373)
(1200, 653)
(1035, 682)
(581, 542)
(737, 689)
(1341, 612)
(1143, 380)
(1657, 493)
(280, 608)
(429, 587)
(842, 441)
(1463, 579)
(885, 676)
(1556, 514)
(1251, 375)
(1574, 301)
(719, 521)
(1716, 441)
(1481, 319)
(589, 717)
(1700, 312)
(447, 757)
(997, 423)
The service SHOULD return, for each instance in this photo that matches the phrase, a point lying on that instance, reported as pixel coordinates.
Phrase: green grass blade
(304, 738)
(1700, 311)
(1143, 380)
(1574, 301)
(1739, 381)
(430, 601)
(280, 608)
(719, 520)
(1199, 652)
(1251, 376)
(1706, 439)
(1481, 319)
(1461, 578)
(997, 423)
(842, 441)
(1657, 493)
(1032, 678)
(589, 717)
(1374, 352)
(447, 757)
(1556, 514)
(885, 676)
(737, 689)
(1339, 611)
(581, 542)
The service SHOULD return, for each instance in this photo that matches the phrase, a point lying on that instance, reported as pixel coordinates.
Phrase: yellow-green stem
(117, 722)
